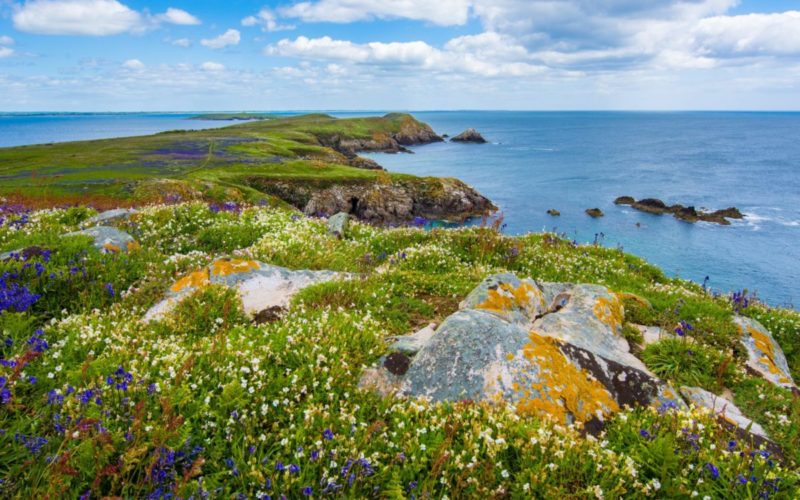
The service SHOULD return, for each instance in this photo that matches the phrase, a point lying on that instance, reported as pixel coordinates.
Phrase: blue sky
(132, 55)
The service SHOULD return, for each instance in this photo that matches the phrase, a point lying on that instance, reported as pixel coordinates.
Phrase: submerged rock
(764, 356)
(688, 214)
(594, 212)
(338, 224)
(108, 239)
(469, 135)
(545, 348)
(262, 287)
(109, 216)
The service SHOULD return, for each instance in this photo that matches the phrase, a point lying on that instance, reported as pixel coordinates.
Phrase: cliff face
(382, 202)
(401, 130)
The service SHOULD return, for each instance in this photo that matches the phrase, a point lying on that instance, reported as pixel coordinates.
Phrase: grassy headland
(236, 163)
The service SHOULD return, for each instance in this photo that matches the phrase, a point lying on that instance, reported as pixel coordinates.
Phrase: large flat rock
(261, 286)
(108, 239)
(544, 349)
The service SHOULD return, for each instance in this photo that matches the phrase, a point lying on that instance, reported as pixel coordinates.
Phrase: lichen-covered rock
(109, 216)
(724, 409)
(338, 224)
(547, 349)
(411, 344)
(510, 298)
(764, 355)
(108, 239)
(261, 286)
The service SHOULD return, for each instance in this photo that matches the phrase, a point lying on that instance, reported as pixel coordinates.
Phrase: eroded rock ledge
(688, 214)
(391, 202)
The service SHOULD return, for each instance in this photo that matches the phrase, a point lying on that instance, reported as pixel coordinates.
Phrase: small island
(684, 213)
(469, 136)
(234, 116)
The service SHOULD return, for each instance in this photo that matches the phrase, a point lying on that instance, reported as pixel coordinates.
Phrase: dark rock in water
(553, 212)
(594, 212)
(625, 200)
(730, 213)
(687, 214)
(445, 136)
(469, 135)
(397, 363)
(269, 315)
(652, 205)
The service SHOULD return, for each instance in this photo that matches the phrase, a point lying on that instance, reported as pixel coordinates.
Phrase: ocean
(572, 161)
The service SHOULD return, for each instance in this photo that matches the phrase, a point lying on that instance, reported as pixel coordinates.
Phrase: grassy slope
(285, 148)
(237, 401)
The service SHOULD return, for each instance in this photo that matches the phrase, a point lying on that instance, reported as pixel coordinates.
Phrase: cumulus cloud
(394, 55)
(212, 66)
(181, 42)
(6, 40)
(268, 21)
(179, 17)
(133, 64)
(90, 18)
(441, 12)
(749, 35)
(6, 52)
(230, 37)
(76, 17)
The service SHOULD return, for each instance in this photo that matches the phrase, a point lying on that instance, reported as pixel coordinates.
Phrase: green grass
(287, 149)
(216, 403)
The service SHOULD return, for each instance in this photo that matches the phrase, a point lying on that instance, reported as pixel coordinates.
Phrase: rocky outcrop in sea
(685, 213)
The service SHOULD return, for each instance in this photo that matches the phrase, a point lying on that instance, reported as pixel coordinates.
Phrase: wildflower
(308, 491)
(328, 434)
(294, 469)
(109, 289)
(713, 470)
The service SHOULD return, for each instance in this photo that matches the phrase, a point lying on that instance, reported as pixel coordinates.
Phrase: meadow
(206, 403)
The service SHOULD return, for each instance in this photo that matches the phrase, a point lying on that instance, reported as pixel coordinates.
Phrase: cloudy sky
(128, 55)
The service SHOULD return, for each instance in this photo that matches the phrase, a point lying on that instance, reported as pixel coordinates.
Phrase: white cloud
(268, 21)
(212, 66)
(6, 52)
(230, 37)
(76, 17)
(441, 12)
(396, 55)
(6, 40)
(178, 16)
(181, 42)
(751, 34)
(91, 18)
(133, 64)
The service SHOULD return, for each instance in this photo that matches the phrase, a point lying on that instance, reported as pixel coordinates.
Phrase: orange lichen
(133, 246)
(225, 267)
(764, 344)
(110, 247)
(510, 356)
(610, 312)
(197, 279)
(506, 298)
(562, 389)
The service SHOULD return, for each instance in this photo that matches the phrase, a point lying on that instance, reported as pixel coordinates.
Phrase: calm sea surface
(573, 161)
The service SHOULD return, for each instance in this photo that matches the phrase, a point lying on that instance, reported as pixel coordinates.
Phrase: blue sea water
(577, 160)
(18, 129)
